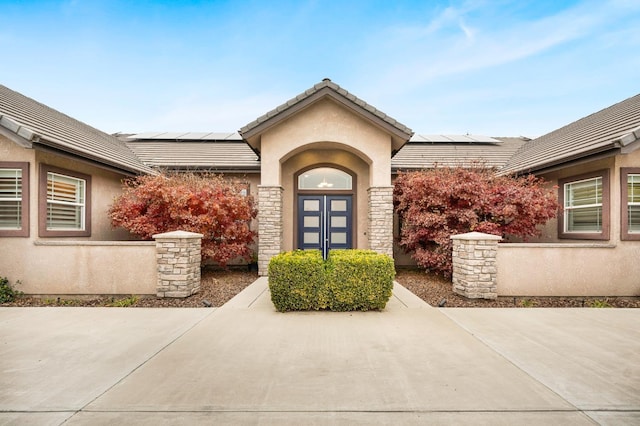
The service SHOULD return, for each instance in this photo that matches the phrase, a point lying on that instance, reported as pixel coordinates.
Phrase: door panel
(324, 222)
(310, 219)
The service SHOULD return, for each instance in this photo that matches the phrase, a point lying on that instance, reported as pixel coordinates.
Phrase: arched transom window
(324, 178)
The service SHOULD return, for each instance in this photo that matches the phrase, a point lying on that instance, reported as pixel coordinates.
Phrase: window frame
(624, 194)
(604, 234)
(24, 216)
(45, 169)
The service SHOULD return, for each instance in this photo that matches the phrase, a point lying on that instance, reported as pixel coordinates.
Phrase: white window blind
(583, 206)
(65, 202)
(633, 202)
(10, 198)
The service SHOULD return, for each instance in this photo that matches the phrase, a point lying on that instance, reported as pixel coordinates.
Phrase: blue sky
(497, 68)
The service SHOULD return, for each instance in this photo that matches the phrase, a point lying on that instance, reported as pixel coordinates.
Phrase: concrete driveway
(244, 363)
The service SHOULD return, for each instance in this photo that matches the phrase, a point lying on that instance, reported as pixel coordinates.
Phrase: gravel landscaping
(217, 287)
(436, 291)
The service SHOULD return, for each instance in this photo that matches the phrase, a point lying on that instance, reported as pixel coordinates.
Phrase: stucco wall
(327, 122)
(105, 186)
(550, 229)
(72, 267)
(76, 265)
(566, 269)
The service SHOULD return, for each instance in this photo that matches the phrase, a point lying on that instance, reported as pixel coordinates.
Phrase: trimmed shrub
(349, 280)
(296, 281)
(359, 280)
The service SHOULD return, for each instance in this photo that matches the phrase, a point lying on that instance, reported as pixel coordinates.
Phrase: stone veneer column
(381, 219)
(178, 256)
(269, 225)
(474, 265)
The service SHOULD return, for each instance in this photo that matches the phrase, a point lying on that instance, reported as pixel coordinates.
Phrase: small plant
(7, 292)
(124, 303)
(527, 303)
(599, 303)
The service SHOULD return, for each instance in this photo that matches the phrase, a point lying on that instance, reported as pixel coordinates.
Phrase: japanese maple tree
(202, 203)
(435, 204)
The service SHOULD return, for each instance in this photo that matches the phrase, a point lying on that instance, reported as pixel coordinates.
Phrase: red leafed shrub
(435, 204)
(202, 203)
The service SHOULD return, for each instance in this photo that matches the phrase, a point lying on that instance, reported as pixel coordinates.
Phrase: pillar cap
(476, 236)
(178, 234)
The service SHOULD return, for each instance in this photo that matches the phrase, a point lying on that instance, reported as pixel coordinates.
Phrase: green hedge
(349, 280)
(359, 279)
(296, 281)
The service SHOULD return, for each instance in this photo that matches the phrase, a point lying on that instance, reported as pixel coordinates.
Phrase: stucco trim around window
(603, 202)
(625, 234)
(23, 231)
(85, 206)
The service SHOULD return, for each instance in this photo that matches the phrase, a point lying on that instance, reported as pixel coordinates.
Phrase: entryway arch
(325, 208)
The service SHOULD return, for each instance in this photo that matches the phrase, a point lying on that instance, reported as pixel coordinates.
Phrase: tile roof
(187, 136)
(326, 87)
(39, 124)
(429, 151)
(607, 130)
(194, 151)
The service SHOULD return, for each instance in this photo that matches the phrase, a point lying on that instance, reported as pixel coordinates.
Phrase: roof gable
(326, 89)
(605, 132)
(35, 124)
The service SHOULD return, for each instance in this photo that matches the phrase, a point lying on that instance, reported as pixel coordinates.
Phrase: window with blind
(630, 203)
(64, 203)
(14, 199)
(585, 204)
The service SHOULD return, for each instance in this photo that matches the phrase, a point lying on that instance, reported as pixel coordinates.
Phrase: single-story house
(321, 167)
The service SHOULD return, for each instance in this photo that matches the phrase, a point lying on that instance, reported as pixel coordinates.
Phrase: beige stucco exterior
(50, 267)
(552, 266)
(568, 269)
(63, 265)
(323, 127)
(329, 126)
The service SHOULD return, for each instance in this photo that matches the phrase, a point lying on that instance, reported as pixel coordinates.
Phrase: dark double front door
(324, 222)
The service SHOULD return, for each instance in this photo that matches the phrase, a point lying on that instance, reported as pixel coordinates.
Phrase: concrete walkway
(244, 363)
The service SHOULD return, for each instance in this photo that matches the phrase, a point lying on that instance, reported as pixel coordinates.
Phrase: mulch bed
(218, 286)
(436, 290)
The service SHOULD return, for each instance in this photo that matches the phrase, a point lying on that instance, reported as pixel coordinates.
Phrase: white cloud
(459, 41)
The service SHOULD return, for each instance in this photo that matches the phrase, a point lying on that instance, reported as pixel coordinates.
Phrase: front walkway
(245, 363)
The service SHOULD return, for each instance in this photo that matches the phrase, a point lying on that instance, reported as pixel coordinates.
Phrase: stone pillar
(269, 225)
(381, 219)
(474, 265)
(178, 255)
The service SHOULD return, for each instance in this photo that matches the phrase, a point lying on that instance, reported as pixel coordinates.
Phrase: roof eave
(48, 146)
(593, 155)
(210, 169)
